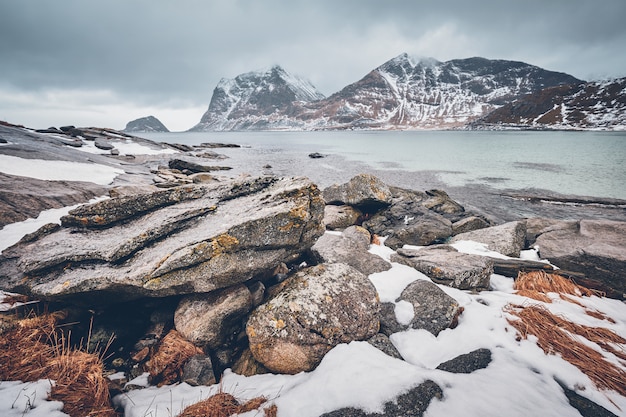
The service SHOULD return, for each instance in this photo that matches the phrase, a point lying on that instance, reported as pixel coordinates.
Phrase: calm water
(474, 167)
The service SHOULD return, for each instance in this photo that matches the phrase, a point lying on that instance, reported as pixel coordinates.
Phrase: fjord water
(470, 165)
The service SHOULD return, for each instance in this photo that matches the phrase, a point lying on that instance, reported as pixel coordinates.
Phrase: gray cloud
(149, 54)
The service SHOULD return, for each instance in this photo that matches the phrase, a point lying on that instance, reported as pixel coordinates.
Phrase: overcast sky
(106, 62)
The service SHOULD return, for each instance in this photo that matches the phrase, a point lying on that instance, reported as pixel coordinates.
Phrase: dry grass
(536, 284)
(166, 364)
(556, 335)
(33, 349)
(224, 405)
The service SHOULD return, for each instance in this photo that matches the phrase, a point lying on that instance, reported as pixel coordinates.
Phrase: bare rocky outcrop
(317, 309)
(200, 239)
(445, 265)
(364, 191)
(508, 238)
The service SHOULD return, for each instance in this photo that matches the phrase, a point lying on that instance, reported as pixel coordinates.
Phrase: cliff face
(593, 105)
(404, 93)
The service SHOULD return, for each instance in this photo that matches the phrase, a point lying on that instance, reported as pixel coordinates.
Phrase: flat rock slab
(445, 265)
(213, 237)
(507, 239)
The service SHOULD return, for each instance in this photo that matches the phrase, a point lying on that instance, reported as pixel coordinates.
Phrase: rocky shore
(263, 274)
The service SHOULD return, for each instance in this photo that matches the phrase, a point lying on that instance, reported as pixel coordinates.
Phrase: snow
(28, 399)
(58, 170)
(520, 380)
(126, 147)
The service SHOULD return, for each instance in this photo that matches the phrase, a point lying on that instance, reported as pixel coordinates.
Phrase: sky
(106, 62)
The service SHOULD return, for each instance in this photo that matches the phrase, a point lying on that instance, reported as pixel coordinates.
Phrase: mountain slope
(257, 100)
(593, 105)
(145, 124)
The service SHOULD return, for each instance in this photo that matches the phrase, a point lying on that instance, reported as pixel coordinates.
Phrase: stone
(412, 403)
(198, 370)
(363, 191)
(439, 201)
(246, 365)
(182, 165)
(351, 248)
(434, 310)
(192, 239)
(539, 225)
(318, 308)
(469, 224)
(381, 342)
(445, 265)
(211, 320)
(103, 144)
(340, 217)
(388, 321)
(468, 362)
(316, 155)
(595, 248)
(508, 238)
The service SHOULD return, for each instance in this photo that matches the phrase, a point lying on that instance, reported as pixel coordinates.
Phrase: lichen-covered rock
(445, 265)
(208, 320)
(508, 238)
(362, 191)
(351, 247)
(193, 239)
(469, 224)
(340, 217)
(440, 202)
(319, 308)
(434, 309)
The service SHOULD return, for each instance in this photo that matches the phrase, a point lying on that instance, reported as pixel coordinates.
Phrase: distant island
(145, 124)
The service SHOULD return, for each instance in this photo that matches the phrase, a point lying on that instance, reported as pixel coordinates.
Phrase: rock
(381, 342)
(316, 155)
(507, 239)
(103, 144)
(211, 320)
(445, 265)
(539, 225)
(434, 309)
(246, 365)
(440, 202)
(469, 224)
(595, 248)
(319, 308)
(115, 152)
(351, 248)
(388, 321)
(257, 292)
(585, 406)
(201, 178)
(340, 217)
(131, 191)
(363, 191)
(190, 239)
(198, 370)
(467, 363)
(182, 165)
(412, 403)
(211, 155)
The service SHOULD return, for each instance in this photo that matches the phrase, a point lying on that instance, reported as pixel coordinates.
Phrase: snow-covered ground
(520, 381)
(126, 147)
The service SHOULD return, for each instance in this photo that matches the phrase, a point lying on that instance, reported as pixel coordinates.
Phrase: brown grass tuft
(33, 350)
(555, 335)
(166, 364)
(223, 405)
(536, 284)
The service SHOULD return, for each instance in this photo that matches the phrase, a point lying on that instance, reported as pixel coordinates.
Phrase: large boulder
(445, 265)
(189, 239)
(364, 191)
(595, 248)
(208, 320)
(317, 309)
(351, 247)
(340, 217)
(508, 238)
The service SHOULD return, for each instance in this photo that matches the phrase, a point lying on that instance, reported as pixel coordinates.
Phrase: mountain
(403, 93)
(258, 100)
(145, 124)
(593, 105)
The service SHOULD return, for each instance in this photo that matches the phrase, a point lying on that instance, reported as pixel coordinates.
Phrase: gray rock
(539, 225)
(220, 236)
(445, 265)
(381, 342)
(434, 309)
(103, 144)
(193, 167)
(340, 217)
(469, 224)
(318, 308)
(440, 202)
(408, 222)
(595, 248)
(350, 248)
(362, 191)
(507, 239)
(412, 403)
(198, 371)
(388, 321)
(210, 320)
(468, 362)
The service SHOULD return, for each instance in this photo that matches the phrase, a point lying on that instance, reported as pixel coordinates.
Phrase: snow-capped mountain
(593, 105)
(145, 124)
(403, 93)
(257, 100)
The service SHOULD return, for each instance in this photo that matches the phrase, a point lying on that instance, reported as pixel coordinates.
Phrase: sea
(502, 174)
